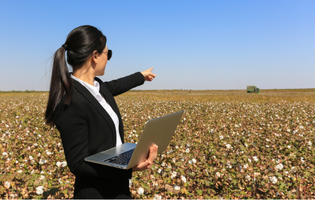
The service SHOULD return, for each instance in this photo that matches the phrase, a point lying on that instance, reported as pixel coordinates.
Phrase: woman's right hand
(148, 75)
(147, 164)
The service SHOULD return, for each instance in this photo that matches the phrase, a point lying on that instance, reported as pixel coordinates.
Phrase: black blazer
(86, 128)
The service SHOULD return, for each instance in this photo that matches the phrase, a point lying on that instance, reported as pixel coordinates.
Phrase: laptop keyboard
(121, 159)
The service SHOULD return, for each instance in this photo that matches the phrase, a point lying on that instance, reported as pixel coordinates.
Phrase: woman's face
(100, 68)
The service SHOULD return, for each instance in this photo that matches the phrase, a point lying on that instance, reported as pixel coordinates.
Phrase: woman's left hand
(147, 164)
(148, 75)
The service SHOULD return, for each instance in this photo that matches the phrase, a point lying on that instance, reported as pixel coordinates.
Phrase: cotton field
(227, 145)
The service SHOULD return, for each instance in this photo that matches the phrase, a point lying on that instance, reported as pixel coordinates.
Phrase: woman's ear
(94, 56)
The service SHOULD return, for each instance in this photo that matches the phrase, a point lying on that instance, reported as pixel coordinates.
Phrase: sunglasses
(109, 54)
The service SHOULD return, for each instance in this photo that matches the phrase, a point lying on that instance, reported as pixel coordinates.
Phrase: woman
(83, 109)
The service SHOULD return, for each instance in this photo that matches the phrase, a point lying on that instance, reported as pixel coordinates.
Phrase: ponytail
(61, 84)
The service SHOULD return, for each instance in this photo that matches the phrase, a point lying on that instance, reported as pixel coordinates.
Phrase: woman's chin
(100, 74)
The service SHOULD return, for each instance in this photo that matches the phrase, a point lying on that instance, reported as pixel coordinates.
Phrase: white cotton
(176, 187)
(173, 174)
(157, 197)
(183, 178)
(63, 163)
(58, 164)
(279, 167)
(40, 190)
(273, 179)
(140, 191)
(130, 182)
(7, 184)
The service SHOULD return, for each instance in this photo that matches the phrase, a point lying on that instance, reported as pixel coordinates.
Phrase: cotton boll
(183, 178)
(7, 184)
(273, 179)
(255, 158)
(176, 187)
(40, 190)
(158, 197)
(140, 191)
(63, 164)
(58, 164)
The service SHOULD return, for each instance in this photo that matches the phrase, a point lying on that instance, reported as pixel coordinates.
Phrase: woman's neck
(85, 74)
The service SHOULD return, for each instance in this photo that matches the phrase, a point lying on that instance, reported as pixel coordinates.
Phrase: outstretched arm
(126, 83)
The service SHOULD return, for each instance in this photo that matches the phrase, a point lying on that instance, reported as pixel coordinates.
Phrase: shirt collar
(93, 89)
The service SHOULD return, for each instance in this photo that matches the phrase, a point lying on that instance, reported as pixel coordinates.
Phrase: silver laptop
(157, 131)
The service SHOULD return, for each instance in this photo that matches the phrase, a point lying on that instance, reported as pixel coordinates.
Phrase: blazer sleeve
(124, 84)
(71, 122)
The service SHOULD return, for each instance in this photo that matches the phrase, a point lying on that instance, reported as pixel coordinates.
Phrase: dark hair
(80, 45)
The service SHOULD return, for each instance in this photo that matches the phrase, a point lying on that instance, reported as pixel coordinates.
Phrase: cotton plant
(221, 148)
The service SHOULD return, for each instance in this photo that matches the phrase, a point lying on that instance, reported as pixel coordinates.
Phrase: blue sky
(197, 45)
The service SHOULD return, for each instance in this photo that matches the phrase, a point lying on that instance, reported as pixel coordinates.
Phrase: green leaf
(199, 192)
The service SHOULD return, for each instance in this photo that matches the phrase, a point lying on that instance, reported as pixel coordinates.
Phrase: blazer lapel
(111, 101)
(89, 97)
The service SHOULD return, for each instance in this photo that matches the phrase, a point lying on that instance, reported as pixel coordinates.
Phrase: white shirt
(95, 91)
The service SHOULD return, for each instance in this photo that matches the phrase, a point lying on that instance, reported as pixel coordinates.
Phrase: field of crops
(229, 144)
